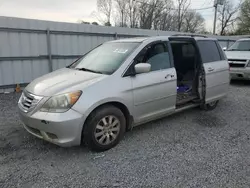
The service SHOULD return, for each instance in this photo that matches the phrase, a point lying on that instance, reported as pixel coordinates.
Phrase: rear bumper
(240, 73)
(63, 129)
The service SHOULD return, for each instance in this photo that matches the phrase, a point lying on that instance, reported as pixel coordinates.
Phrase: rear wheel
(104, 128)
(211, 105)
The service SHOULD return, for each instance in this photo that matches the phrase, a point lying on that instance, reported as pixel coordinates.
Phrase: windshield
(106, 58)
(240, 46)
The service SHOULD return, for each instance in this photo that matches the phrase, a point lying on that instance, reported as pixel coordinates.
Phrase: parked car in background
(239, 59)
(121, 84)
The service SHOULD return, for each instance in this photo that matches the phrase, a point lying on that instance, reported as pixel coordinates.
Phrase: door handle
(210, 69)
(171, 75)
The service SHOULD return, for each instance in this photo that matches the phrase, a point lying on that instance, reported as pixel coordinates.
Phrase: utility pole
(216, 3)
(122, 18)
(215, 15)
(179, 18)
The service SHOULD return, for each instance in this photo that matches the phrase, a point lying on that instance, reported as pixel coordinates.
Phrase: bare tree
(170, 18)
(146, 11)
(96, 15)
(193, 22)
(105, 7)
(122, 12)
(227, 16)
(156, 14)
(182, 8)
(133, 14)
(150, 10)
(166, 17)
(172, 22)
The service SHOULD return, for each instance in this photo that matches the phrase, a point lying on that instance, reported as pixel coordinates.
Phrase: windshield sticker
(121, 51)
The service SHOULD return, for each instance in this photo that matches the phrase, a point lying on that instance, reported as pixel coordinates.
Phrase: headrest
(188, 50)
(159, 48)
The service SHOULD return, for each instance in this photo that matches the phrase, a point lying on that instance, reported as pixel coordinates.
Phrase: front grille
(28, 101)
(237, 65)
(238, 60)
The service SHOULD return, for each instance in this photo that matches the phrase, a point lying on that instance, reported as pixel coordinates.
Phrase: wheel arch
(129, 118)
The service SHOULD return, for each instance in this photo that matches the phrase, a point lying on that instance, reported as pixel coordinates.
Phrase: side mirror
(224, 49)
(142, 68)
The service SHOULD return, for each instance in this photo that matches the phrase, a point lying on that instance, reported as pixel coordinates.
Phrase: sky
(75, 10)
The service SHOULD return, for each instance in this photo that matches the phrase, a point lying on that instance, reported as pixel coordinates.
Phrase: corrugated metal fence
(32, 48)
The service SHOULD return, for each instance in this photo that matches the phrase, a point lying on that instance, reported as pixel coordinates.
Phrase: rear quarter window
(210, 51)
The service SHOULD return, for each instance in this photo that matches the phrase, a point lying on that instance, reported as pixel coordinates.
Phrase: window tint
(209, 51)
(157, 55)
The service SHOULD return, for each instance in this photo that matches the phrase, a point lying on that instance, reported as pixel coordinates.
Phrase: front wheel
(104, 128)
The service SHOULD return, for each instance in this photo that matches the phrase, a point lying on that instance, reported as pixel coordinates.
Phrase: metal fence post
(228, 42)
(49, 50)
(116, 36)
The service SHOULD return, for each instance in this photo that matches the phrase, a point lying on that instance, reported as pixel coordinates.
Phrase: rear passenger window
(209, 51)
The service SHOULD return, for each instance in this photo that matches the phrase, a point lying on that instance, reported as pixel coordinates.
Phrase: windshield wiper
(88, 70)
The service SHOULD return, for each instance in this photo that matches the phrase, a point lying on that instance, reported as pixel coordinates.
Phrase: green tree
(84, 22)
(107, 24)
(94, 23)
(244, 18)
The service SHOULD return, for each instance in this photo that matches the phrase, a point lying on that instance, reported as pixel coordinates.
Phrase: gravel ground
(191, 149)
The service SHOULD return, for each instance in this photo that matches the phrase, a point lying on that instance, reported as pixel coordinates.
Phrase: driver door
(154, 92)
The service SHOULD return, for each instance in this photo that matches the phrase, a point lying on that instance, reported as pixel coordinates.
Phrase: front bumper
(63, 129)
(240, 73)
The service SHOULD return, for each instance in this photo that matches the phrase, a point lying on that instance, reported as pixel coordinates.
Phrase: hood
(62, 81)
(241, 55)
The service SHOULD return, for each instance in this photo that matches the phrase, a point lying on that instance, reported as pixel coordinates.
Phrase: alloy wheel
(107, 130)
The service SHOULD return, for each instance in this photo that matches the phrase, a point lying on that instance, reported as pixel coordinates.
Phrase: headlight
(61, 103)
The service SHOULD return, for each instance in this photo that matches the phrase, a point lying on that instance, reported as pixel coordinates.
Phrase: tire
(99, 133)
(210, 106)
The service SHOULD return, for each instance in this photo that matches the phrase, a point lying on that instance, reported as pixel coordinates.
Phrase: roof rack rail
(190, 35)
(245, 37)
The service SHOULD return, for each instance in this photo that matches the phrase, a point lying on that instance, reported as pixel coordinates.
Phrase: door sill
(186, 99)
(186, 106)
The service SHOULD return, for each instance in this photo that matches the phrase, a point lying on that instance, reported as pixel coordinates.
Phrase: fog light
(51, 135)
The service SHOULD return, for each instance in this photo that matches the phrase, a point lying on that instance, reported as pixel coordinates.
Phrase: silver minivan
(122, 84)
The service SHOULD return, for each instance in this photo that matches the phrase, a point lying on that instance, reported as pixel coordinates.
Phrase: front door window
(156, 55)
